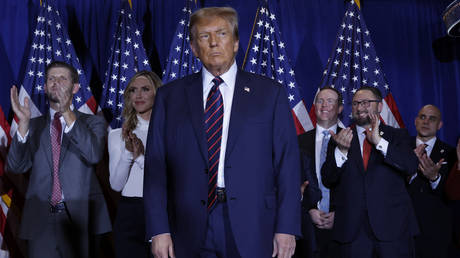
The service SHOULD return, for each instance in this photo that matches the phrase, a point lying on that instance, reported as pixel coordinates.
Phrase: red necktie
(214, 116)
(56, 131)
(366, 151)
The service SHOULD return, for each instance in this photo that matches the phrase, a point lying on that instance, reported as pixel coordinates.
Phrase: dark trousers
(219, 241)
(366, 245)
(129, 229)
(60, 239)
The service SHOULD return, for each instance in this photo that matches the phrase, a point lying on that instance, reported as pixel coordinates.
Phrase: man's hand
(328, 219)
(317, 217)
(372, 132)
(343, 139)
(22, 112)
(162, 246)
(419, 151)
(283, 245)
(322, 219)
(63, 105)
(429, 169)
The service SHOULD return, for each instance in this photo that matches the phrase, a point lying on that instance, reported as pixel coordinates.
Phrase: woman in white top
(126, 152)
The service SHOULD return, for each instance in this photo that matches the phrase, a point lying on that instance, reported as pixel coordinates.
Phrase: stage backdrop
(422, 65)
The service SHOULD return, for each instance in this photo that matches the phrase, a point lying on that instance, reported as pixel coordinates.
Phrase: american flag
(51, 42)
(266, 55)
(5, 201)
(354, 63)
(128, 57)
(181, 61)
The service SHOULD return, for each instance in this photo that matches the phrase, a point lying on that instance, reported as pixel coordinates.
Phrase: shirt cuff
(435, 183)
(340, 158)
(68, 128)
(382, 146)
(412, 178)
(22, 139)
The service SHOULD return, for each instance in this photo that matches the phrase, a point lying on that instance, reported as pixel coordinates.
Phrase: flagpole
(356, 1)
(131, 4)
(250, 38)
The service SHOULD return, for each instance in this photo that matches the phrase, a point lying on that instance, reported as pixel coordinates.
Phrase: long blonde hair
(129, 113)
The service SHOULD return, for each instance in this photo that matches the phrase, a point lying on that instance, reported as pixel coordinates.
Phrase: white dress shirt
(127, 174)
(226, 89)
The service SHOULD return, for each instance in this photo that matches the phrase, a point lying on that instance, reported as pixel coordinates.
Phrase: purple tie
(56, 130)
(213, 115)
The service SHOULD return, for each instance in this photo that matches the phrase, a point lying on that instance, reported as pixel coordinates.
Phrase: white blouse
(126, 174)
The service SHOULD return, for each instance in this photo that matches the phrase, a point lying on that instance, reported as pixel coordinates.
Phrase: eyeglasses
(365, 103)
(327, 101)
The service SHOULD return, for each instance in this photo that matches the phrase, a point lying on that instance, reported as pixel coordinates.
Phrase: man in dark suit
(367, 169)
(64, 203)
(316, 205)
(222, 161)
(426, 187)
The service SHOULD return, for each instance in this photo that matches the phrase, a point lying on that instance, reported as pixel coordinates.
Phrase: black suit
(431, 207)
(316, 242)
(373, 203)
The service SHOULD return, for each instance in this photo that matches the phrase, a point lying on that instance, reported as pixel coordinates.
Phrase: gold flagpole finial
(358, 4)
(130, 4)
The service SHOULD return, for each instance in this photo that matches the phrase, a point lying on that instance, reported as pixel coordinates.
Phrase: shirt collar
(52, 111)
(142, 123)
(320, 129)
(228, 77)
(430, 142)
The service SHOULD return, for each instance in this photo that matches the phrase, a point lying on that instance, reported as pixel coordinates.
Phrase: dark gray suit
(82, 147)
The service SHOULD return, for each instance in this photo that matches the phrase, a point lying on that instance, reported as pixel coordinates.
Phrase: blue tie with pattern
(324, 203)
(214, 116)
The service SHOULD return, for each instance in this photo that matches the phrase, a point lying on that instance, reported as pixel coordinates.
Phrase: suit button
(203, 202)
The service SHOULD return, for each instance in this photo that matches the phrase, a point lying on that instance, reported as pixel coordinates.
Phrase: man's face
(365, 103)
(59, 80)
(214, 44)
(428, 121)
(327, 107)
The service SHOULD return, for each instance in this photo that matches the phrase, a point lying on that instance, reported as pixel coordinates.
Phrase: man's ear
(76, 87)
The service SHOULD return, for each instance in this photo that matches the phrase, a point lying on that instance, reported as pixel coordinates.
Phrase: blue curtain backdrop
(422, 64)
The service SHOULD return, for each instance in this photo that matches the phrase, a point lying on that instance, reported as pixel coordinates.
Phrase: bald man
(426, 187)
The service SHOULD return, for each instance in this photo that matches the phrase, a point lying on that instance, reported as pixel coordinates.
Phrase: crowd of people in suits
(210, 166)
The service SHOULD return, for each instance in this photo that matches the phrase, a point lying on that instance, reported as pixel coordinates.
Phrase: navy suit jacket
(262, 166)
(380, 190)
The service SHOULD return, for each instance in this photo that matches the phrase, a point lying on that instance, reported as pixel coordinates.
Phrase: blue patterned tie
(324, 203)
(214, 116)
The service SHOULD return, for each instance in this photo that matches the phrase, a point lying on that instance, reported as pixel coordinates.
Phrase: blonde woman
(126, 151)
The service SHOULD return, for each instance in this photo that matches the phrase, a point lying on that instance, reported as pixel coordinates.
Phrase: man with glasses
(426, 187)
(317, 213)
(367, 167)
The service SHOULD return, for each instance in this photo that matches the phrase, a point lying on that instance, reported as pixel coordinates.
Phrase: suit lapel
(65, 142)
(240, 103)
(437, 152)
(194, 93)
(46, 138)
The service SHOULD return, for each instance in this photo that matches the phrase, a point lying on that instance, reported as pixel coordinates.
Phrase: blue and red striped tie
(214, 116)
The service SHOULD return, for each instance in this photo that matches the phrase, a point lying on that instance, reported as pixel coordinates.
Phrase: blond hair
(227, 13)
(129, 113)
